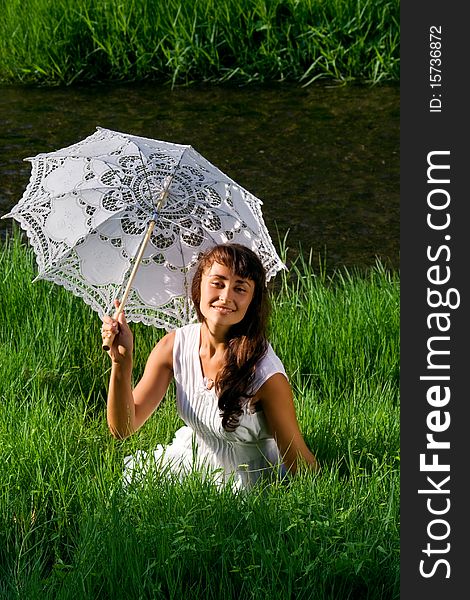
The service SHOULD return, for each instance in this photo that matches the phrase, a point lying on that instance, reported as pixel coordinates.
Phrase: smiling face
(229, 289)
(225, 296)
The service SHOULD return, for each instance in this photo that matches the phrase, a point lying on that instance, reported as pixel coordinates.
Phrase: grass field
(67, 41)
(69, 530)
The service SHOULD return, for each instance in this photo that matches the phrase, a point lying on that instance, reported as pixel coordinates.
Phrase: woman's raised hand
(122, 345)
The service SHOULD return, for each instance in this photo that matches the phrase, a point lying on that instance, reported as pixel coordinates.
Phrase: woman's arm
(127, 408)
(275, 396)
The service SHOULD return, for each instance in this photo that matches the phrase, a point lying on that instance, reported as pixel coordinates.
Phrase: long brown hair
(247, 340)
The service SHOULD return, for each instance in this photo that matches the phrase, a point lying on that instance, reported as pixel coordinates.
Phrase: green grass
(68, 529)
(66, 41)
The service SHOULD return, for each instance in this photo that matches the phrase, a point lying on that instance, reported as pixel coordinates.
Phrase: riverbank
(323, 159)
(71, 41)
(66, 528)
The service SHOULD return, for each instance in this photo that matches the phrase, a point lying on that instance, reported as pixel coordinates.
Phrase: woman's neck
(213, 339)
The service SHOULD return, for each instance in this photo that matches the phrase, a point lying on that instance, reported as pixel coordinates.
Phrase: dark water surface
(324, 160)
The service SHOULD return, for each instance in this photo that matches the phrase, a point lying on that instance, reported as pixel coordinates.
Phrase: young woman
(231, 388)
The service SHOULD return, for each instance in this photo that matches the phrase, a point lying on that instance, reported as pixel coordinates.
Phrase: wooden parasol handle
(108, 341)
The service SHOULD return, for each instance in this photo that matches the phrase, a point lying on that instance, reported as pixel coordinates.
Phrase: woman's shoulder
(187, 330)
(182, 340)
(163, 349)
(186, 333)
(267, 366)
(168, 339)
(271, 358)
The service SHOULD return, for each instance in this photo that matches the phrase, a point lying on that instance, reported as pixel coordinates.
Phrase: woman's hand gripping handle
(117, 337)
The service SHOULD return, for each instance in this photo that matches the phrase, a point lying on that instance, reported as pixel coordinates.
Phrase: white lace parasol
(115, 212)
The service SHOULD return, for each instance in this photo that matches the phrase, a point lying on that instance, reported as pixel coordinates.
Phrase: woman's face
(225, 296)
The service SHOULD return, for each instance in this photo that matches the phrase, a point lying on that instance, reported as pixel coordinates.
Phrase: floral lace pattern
(87, 208)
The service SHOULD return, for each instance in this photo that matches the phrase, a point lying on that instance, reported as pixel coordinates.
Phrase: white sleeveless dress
(240, 457)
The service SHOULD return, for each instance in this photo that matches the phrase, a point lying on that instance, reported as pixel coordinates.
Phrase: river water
(323, 159)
